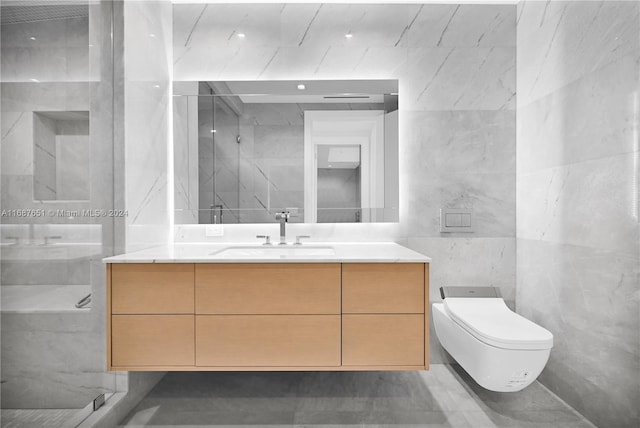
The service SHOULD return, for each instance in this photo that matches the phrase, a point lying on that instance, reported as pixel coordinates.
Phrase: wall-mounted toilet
(500, 349)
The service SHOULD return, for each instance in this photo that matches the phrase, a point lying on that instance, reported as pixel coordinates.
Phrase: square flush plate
(456, 220)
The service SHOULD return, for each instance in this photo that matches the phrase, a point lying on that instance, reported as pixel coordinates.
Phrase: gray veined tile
(407, 417)
(469, 262)
(490, 196)
(464, 26)
(475, 141)
(442, 397)
(528, 419)
(567, 126)
(563, 41)
(585, 204)
(452, 78)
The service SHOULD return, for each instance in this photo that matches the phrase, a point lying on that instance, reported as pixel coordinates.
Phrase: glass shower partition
(57, 220)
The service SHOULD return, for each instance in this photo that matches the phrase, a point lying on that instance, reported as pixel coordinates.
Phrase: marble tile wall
(147, 104)
(21, 103)
(457, 93)
(62, 44)
(142, 93)
(578, 236)
(44, 158)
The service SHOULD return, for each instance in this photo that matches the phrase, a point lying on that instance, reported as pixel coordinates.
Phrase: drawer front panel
(152, 340)
(268, 340)
(304, 288)
(383, 288)
(383, 340)
(152, 288)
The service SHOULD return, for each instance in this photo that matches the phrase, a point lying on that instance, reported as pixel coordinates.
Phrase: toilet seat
(492, 322)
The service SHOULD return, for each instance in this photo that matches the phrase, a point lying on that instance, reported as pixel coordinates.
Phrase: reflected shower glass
(244, 151)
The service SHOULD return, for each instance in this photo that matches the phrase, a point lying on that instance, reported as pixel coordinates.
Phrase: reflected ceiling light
(156, 86)
(301, 87)
(241, 35)
(35, 80)
(348, 35)
(32, 38)
(152, 35)
(213, 131)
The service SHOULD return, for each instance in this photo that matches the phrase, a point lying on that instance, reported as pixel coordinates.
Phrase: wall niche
(61, 153)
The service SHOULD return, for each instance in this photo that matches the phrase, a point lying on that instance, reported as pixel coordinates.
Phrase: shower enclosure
(219, 160)
(56, 204)
(211, 167)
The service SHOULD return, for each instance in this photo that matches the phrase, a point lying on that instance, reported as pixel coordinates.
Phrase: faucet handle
(267, 239)
(299, 237)
(48, 238)
(284, 215)
(16, 238)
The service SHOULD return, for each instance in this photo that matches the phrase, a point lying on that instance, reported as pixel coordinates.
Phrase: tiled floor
(37, 418)
(444, 396)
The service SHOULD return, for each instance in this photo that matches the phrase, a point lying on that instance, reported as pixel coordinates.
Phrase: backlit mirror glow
(325, 151)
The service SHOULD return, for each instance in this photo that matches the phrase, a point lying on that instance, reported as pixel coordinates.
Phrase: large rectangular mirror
(326, 151)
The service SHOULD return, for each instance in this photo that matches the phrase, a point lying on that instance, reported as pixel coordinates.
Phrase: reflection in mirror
(338, 183)
(244, 151)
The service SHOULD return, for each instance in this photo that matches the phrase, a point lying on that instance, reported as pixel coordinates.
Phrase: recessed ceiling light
(241, 35)
(32, 38)
(152, 35)
(213, 131)
(348, 35)
(301, 87)
(156, 86)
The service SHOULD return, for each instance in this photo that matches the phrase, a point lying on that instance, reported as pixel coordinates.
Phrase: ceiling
(17, 13)
(315, 91)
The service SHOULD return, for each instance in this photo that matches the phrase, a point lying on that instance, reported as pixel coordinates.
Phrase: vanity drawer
(383, 340)
(383, 288)
(152, 288)
(152, 340)
(268, 340)
(269, 288)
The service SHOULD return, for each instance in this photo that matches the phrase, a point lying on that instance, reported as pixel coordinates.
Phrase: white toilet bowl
(500, 349)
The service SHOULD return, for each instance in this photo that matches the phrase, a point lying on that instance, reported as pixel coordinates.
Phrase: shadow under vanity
(184, 308)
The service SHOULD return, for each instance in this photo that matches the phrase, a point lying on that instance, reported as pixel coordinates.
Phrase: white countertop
(361, 252)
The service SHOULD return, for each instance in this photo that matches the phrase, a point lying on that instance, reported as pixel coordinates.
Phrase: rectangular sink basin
(275, 251)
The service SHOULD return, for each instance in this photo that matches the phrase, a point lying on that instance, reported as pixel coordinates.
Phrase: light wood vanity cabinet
(267, 316)
(268, 288)
(152, 315)
(383, 307)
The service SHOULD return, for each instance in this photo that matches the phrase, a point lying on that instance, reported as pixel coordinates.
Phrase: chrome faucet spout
(283, 217)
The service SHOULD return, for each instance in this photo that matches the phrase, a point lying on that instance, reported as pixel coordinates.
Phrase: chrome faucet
(15, 238)
(299, 237)
(49, 238)
(283, 217)
(267, 239)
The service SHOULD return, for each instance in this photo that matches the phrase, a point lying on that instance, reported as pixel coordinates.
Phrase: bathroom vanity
(221, 307)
